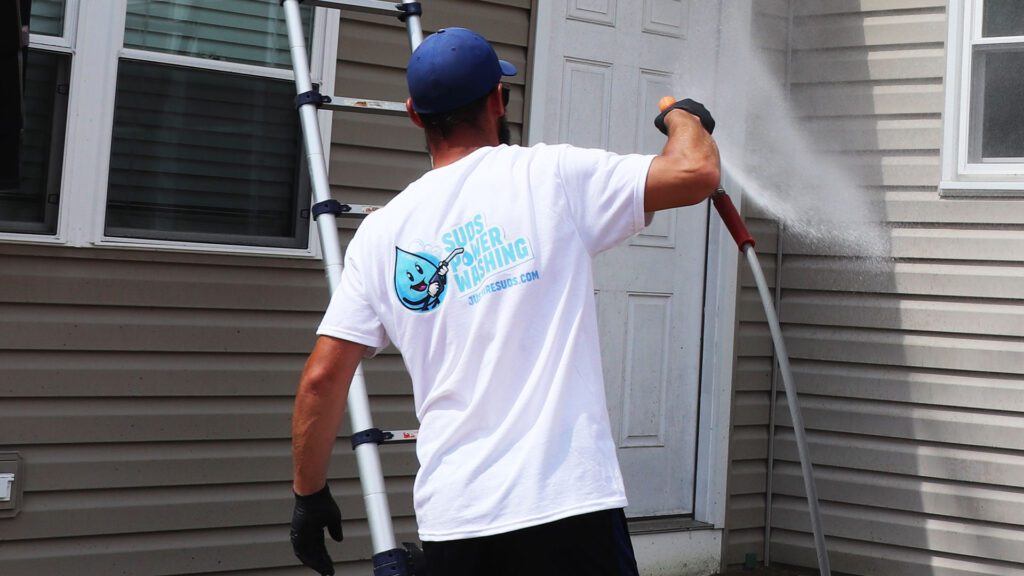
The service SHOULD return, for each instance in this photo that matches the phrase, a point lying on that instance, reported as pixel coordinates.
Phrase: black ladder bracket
(311, 97)
(331, 206)
(400, 562)
(378, 436)
(410, 9)
(373, 435)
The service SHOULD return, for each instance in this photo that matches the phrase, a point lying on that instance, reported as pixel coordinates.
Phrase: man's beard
(504, 132)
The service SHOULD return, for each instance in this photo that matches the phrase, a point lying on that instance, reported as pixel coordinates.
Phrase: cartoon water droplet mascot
(420, 282)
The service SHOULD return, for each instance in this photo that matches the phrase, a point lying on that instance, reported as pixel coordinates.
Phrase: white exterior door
(600, 68)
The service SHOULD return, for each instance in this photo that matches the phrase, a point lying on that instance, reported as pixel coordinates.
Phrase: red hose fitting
(731, 218)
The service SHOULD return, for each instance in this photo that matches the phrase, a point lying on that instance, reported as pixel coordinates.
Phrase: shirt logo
(420, 279)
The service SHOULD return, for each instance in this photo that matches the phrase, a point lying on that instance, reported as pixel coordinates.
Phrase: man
(480, 273)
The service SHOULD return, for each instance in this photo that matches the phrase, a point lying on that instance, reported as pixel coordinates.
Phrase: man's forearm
(319, 406)
(687, 170)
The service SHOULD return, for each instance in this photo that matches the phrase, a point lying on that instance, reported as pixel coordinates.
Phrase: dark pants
(595, 544)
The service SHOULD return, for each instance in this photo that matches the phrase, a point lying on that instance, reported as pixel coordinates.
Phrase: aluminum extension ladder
(388, 558)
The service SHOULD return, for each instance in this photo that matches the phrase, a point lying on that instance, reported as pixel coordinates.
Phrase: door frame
(722, 257)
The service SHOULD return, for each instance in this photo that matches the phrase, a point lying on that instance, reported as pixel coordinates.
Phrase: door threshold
(658, 524)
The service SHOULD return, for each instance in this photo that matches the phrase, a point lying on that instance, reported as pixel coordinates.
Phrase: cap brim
(507, 69)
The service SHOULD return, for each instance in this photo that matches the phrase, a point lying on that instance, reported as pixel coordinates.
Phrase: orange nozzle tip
(665, 102)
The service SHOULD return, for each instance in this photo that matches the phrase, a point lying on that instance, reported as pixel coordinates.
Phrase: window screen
(244, 31)
(32, 207)
(205, 156)
(47, 17)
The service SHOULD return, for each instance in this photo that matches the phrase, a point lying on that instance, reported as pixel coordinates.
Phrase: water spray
(738, 229)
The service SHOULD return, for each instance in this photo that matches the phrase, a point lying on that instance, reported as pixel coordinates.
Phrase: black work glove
(691, 106)
(312, 514)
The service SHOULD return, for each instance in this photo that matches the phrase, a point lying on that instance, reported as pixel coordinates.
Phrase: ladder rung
(340, 103)
(359, 210)
(401, 436)
(367, 6)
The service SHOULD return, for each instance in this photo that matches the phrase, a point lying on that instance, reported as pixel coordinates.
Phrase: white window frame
(960, 177)
(95, 38)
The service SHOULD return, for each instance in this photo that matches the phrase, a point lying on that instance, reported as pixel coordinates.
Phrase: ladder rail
(371, 474)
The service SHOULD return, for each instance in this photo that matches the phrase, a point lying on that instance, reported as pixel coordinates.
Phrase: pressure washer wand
(734, 223)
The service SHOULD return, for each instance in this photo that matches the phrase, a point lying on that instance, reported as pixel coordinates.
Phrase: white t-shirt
(480, 273)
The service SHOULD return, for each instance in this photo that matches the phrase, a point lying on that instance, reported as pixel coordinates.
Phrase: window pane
(32, 207)
(1003, 18)
(47, 17)
(998, 93)
(206, 157)
(245, 31)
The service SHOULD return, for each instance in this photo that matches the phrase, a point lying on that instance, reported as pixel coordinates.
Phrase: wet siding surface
(911, 368)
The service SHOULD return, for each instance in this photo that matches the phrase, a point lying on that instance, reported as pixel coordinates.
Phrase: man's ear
(415, 117)
(496, 101)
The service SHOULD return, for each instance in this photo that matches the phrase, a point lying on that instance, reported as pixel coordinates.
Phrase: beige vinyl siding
(911, 371)
(753, 374)
(149, 394)
(752, 384)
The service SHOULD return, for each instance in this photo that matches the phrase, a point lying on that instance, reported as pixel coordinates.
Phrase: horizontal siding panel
(751, 409)
(902, 313)
(359, 80)
(754, 339)
(752, 374)
(190, 552)
(984, 465)
(501, 23)
(746, 511)
(748, 443)
(742, 542)
(858, 30)
(878, 525)
(940, 244)
(928, 207)
(905, 493)
(770, 32)
(865, 134)
(863, 100)
(112, 283)
(766, 261)
(749, 477)
(980, 245)
(41, 374)
(903, 349)
(80, 420)
(921, 423)
(377, 169)
(905, 385)
(105, 328)
(771, 10)
(750, 308)
(865, 65)
(103, 512)
(209, 462)
(827, 7)
(96, 374)
(352, 129)
(872, 559)
(957, 279)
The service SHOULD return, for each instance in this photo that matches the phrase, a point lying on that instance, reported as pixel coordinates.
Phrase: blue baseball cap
(452, 68)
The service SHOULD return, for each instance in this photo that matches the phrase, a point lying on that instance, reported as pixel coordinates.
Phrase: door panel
(604, 65)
